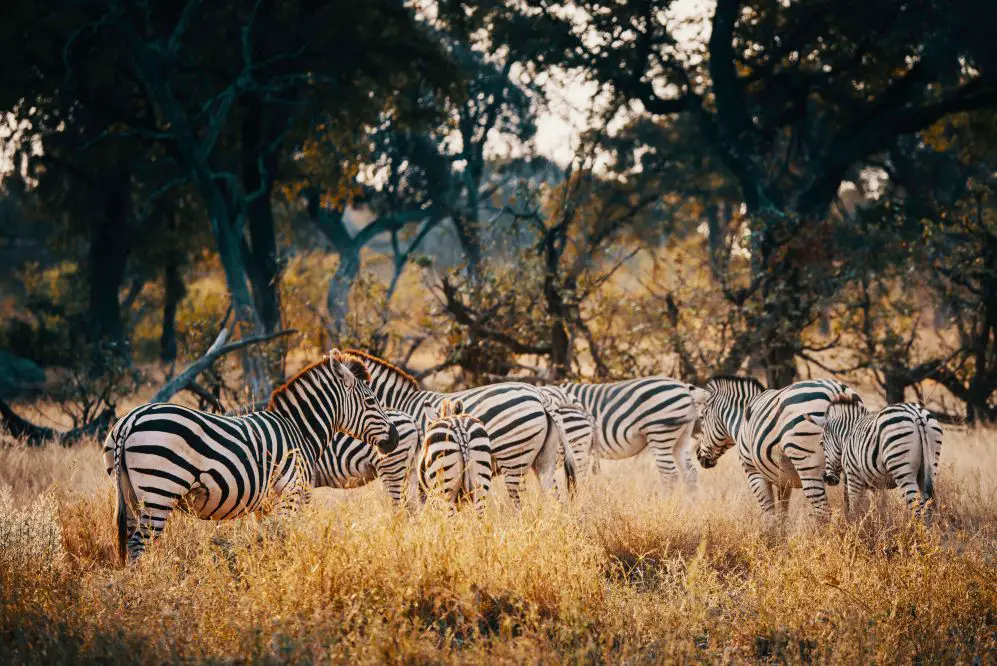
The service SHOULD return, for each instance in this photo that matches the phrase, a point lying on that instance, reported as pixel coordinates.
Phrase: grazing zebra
(578, 431)
(898, 446)
(778, 446)
(351, 463)
(654, 412)
(455, 462)
(523, 434)
(168, 456)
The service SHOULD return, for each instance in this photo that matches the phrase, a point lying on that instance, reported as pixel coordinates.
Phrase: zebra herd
(351, 417)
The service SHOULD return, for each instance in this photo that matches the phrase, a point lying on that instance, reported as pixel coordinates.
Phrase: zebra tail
(114, 462)
(122, 516)
(570, 464)
(927, 460)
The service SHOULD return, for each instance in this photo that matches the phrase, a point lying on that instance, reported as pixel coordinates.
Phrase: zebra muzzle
(831, 479)
(390, 443)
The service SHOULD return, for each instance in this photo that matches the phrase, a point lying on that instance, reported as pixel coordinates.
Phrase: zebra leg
(689, 465)
(855, 498)
(151, 521)
(663, 447)
(783, 493)
(907, 483)
(482, 486)
(761, 487)
(513, 486)
(811, 471)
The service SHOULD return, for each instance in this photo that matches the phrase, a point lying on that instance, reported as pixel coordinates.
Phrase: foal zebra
(654, 412)
(777, 443)
(523, 434)
(168, 456)
(455, 462)
(351, 463)
(898, 446)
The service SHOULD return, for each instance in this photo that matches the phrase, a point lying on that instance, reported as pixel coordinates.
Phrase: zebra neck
(736, 416)
(315, 431)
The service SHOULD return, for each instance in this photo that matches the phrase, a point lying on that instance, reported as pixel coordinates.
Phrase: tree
(795, 98)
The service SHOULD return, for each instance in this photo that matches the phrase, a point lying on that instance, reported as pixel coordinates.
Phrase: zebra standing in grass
(654, 412)
(168, 456)
(350, 463)
(578, 431)
(898, 446)
(779, 447)
(455, 461)
(516, 416)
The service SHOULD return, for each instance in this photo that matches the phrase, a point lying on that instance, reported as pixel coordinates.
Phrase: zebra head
(836, 424)
(722, 411)
(360, 414)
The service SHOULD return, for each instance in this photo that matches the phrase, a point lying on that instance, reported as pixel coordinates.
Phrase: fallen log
(36, 435)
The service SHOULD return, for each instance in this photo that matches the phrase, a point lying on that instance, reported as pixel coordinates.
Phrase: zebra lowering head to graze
(167, 456)
(898, 446)
(654, 412)
(351, 463)
(779, 447)
(455, 462)
(523, 433)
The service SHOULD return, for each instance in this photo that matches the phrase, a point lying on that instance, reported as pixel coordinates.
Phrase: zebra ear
(340, 370)
(432, 414)
(818, 420)
(456, 407)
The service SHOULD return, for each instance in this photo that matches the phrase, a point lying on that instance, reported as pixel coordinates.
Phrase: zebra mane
(350, 359)
(737, 379)
(846, 399)
(386, 365)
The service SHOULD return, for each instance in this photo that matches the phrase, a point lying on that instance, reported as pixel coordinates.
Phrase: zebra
(578, 431)
(898, 446)
(167, 456)
(524, 435)
(652, 412)
(455, 461)
(779, 447)
(350, 463)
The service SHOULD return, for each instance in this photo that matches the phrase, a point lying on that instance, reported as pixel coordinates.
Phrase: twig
(217, 349)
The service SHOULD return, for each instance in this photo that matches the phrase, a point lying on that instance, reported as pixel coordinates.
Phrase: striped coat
(896, 447)
(351, 463)
(516, 416)
(777, 443)
(654, 412)
(166, 457)
(454, 463)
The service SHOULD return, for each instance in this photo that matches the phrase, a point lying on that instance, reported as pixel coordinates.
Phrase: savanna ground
(625, 573)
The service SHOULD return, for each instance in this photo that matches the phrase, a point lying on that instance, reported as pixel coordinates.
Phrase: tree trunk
(895, 387)
(470, 242)
(338, 296)
(259, 165)
(780, 365)
(109, 246)
(175, 291)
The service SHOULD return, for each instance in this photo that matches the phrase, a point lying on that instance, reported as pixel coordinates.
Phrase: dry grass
(624, 574)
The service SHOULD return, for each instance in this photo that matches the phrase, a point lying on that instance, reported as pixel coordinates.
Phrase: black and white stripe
(455, 461)
(896, 447)
(779, 447)
(351, 463)
(168, 456)
(654, 412)
(523, 434)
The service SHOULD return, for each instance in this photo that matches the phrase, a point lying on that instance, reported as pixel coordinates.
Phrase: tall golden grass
(625, 573)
